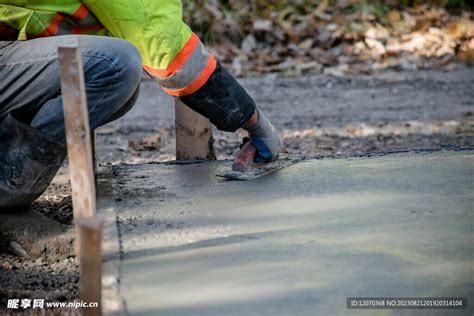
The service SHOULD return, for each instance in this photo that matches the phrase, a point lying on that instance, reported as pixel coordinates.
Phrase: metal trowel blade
(258, 170)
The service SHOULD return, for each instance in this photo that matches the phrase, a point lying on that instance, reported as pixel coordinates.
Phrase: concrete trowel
(244, 168)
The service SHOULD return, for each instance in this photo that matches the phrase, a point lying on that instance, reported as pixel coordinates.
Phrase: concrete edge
(112, 302)
(315, 157)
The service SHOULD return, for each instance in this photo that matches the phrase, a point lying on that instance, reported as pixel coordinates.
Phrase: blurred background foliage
(208, 17)
(255, 36)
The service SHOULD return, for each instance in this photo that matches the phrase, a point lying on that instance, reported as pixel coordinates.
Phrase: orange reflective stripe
(81, 12)
(178, 61)
(80, 30)
(53, 26)
(198, 83)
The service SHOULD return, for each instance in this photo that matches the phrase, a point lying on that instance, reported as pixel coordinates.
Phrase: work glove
(266, 139)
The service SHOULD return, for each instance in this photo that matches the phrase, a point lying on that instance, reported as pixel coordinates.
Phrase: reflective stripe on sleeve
(188, 71)
(198, 83)
(177, 62)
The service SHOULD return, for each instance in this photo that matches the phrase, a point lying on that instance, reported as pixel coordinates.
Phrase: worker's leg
(32, 89)
(32, 124)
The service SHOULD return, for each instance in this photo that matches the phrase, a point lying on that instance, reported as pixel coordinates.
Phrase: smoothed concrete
(297, 242)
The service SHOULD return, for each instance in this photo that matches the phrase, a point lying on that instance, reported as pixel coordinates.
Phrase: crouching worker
(117, 39)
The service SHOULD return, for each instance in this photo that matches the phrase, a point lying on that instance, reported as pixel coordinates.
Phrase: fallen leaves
(348, 37)
(150, 142)
(7, 266)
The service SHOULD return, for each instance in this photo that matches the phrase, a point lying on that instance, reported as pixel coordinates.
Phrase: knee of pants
(127, 60)
(112, 71)
(125, 108)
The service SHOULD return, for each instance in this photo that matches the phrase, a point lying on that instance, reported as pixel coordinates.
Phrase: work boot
(29, 161)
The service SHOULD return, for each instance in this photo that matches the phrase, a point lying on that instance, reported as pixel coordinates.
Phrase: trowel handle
(244, 157)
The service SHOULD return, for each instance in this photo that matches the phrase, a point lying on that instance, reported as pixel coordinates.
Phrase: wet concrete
(297, 242)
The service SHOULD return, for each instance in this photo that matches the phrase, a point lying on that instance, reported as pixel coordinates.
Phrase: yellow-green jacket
(170, 51)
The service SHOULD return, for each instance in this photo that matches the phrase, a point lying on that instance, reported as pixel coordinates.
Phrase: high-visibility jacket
(170, 51)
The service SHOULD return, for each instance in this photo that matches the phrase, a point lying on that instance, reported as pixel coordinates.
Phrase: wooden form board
(90, 285)
(194, 139)
(78, 136)
(81, 167)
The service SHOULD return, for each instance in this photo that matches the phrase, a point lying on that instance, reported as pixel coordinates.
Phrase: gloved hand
(266, 139)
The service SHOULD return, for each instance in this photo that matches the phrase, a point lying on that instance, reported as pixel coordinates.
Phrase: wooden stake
(90, 262)
(94, 152)
(76, 117)
(194, 139)
(81, 168)
(94, 159)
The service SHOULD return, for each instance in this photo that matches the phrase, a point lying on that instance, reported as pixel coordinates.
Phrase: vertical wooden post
(94, 159)
(194, 139)
(78, 136)
(81, 168)
(90, 262)
(94, 152)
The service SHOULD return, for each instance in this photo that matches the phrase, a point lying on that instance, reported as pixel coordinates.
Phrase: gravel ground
(33, 279)
(317, 115)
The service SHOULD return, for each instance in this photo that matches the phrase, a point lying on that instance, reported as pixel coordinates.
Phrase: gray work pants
(31, 102)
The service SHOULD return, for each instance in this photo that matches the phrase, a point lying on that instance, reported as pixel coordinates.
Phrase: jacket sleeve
(170, 52)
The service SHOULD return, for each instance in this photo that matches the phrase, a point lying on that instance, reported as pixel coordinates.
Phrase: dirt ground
(52, 281)
(318, 115)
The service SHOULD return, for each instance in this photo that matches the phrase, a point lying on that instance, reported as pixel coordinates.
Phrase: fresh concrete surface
(299, 241)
